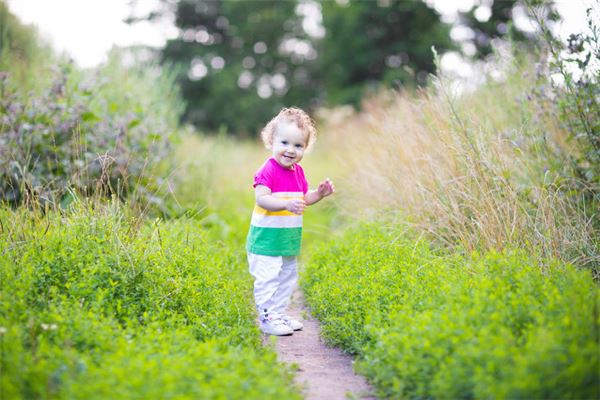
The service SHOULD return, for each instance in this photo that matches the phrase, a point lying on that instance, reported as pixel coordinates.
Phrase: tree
(240, 61)
(236, 68)
(368, 44)
(497, 19)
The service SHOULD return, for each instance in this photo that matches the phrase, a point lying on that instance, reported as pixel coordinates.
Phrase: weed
(430, 325)
(473, 172)
(91, 307)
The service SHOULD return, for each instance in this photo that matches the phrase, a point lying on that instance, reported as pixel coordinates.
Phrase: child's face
(289, 143)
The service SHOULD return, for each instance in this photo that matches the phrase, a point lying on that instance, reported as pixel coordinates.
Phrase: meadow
(95, 305)
(431, 325)
(459, 257)
(470, 267)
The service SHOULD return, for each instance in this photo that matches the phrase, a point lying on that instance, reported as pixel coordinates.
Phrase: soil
(322, 372)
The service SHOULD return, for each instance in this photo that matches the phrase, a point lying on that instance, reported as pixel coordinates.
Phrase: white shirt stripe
(288, 194)
(276, 221)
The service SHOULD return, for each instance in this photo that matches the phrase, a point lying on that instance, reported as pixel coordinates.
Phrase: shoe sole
(267, 332)
(278, 334)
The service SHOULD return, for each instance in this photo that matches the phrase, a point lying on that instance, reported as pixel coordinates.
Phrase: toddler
(281, 193)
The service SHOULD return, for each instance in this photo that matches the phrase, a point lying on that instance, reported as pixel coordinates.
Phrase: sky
(87, 29)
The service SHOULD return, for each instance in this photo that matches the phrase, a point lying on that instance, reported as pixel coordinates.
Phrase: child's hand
(326, 188)
(296, 206)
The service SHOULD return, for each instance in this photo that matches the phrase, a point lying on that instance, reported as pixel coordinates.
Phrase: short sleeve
(302, 178)
(264, 176)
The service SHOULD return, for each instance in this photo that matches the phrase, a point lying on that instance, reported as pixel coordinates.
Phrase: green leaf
(89, 116)
(133, 123)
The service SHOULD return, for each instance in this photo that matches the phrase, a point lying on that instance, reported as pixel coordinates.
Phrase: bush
(428, 326)
(90, 307)
(570, 89)
(100, 133)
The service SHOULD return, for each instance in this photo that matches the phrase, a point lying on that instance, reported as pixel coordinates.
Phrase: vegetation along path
(322, 372)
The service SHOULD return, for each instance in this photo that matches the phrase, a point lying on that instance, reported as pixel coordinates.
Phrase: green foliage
(90, 307)
(498, 23)
(573, 90)
(432, 326)
(367, 46)
(267, 54)
(22, 54)
(262, 54)
(98, 133)
(232, 51)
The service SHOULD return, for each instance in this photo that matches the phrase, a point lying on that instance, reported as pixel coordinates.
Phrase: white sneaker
(292, 323)
(276, 327)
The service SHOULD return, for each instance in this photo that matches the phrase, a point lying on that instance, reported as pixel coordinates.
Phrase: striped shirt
(277, 233)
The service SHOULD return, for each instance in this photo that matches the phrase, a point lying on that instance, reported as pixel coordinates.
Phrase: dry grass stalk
(468, 171)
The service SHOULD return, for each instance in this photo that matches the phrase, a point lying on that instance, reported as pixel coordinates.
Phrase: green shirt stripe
(274, 241)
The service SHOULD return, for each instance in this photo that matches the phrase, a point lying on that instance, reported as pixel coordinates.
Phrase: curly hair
(295, 116)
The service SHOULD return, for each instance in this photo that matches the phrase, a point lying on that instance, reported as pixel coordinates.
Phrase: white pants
(274, 281)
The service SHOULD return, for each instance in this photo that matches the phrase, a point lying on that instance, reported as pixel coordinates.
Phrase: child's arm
(325, 189)
(265, 200)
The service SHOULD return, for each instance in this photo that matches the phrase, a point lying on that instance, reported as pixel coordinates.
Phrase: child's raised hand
(326, 188)
(296, 206)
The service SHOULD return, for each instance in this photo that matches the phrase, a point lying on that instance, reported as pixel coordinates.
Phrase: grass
(212, 181)
(94, 304)
(477, 172)
(425, 324)
(480, 300)
(101, 291)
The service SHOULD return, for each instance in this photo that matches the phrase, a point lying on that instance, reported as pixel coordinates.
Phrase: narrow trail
(323, 372)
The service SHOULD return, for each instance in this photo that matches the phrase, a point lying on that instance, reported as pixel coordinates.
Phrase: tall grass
(210, 171)
(210, 179)
(476, 171)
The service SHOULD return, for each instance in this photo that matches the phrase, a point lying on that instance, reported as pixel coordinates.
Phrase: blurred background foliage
(232, 66)
(112, 130)
(241, 61)
(23, 54)
(101, 132)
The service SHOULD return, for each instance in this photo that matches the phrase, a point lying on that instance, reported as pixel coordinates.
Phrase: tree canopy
(241, 61)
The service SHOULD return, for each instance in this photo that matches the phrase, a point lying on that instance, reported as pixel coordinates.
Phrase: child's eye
(284, 142)
(299, 146)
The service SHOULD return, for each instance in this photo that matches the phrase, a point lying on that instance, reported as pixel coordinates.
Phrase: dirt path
(323, 372)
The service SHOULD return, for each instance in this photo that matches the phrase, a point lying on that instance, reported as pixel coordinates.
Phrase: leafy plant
(574, 84)
(92, 307)
(427, 325)
(98, 134)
